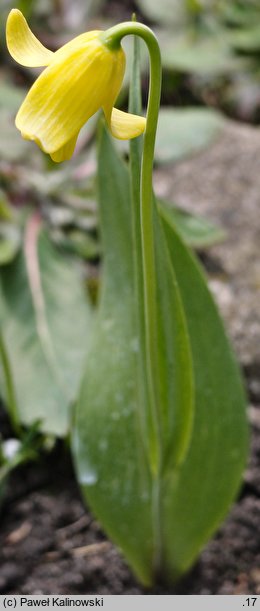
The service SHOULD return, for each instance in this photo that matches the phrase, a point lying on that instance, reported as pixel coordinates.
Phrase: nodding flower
(81, 77)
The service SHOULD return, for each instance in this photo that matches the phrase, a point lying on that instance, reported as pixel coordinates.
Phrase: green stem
(136, 144)
(112, 39)
(147, 299)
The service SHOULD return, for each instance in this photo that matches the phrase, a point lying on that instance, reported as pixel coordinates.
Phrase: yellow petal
(66, 151)
(24, 47)
(78, 43)
(115, 85)
(125, 126)
(67, 93)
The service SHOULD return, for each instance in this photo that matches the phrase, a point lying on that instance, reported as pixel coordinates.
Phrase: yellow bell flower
(81, 77)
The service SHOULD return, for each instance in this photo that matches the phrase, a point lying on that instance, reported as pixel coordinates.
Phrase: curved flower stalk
(80, 78)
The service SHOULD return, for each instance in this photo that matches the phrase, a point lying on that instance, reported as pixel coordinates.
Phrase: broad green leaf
(186, 131)
(194, 230)
(160, 521)
(105, 455)
(113, 427)
(140, 505)
(197, 497)
(45, 321)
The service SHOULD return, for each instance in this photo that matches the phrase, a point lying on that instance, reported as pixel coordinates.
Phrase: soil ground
(48, 542)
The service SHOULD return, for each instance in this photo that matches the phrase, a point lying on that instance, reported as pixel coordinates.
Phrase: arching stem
(112, 39)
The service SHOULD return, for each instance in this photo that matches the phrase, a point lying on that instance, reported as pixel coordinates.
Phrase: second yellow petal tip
(126, 126)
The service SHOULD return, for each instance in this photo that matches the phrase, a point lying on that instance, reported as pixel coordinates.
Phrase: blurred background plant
(49, 238)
